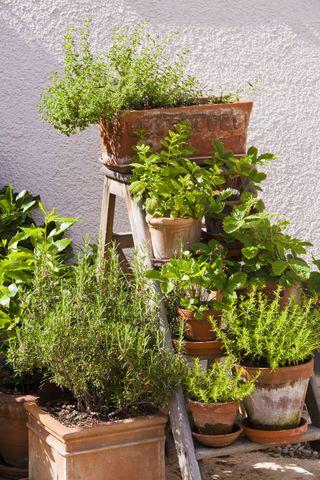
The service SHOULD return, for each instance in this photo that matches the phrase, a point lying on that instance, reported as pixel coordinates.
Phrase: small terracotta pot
(218, 440)
(272, 437)
(213, 418)
(13, 428)
(169, 235)
(278, 399)
(213, 348)
(226, 122)
(199, 330)
(120, 450)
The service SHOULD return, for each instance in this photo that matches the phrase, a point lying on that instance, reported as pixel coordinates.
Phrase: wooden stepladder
(117, 185)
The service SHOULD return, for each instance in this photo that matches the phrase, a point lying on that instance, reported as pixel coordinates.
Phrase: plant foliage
(221, 383)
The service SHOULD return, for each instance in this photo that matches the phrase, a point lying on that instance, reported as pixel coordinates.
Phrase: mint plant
(169, 183)
(221, 383)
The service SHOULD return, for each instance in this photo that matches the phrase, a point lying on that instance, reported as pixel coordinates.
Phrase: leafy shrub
(169, 183)
(97, 336)
(266, 334)
(222, 382)
(196, 278)
(136, 72)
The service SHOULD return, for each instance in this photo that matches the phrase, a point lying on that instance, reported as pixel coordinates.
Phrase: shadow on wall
(64, 171)
(302, 17)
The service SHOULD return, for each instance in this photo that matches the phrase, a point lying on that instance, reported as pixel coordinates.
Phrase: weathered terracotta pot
(226, 122)
(199, 330)
(169, 235)
(13, 428)
(212, 348)
(278, 398)
(213, 418)
(120, 450)
(272, 437)
(218, 440)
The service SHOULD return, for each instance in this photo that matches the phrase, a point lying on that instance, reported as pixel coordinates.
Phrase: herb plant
(267, 334)
(169, 183)
(221, 383)
(97, 336)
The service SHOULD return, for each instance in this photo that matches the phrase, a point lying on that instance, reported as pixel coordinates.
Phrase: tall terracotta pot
(213, 418)
(278, 398)
(120, 450)
(13, 428)
(168, 235)
(226, 122)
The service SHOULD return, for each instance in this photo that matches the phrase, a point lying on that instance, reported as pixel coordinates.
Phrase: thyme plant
(266, 334)
(222, 383)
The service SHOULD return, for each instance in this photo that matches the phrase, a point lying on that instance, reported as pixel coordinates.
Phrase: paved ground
(252, 466)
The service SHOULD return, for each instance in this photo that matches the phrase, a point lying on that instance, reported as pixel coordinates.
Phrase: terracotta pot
(213, 418)
(226, 122)
(218, 440)
(120, 450)
(213, 348)
(272, 437)
(13, 428)
(278, 399)
(169, 235)
(285, 295)
(199, 330)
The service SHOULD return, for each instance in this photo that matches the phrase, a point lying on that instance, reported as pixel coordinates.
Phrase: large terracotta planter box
(226, 122)
(131, 449)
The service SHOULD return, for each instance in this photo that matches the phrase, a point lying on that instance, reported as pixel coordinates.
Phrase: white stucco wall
(231, 42)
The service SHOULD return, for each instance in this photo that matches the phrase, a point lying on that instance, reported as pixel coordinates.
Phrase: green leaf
(250, 252)
(62, 244)
(278, 267)
(236, 280)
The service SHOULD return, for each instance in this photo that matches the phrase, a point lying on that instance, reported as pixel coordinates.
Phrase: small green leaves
(250, 252)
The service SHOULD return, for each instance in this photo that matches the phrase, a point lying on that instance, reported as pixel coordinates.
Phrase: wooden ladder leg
(178, 415)
(313, 401)
(107, 215)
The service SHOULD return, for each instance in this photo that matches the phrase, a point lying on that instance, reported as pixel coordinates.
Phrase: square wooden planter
(131, 449)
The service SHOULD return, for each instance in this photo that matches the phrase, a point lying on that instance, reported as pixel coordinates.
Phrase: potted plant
(213, 399)
(21, 244)
(277, 342)
(100, 341)
(136, 85)
(204, 288)
(175, 192)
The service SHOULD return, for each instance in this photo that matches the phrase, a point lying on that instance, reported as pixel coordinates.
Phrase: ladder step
(244, 445)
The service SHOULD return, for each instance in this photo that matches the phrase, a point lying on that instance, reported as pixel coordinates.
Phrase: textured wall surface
(231, 42)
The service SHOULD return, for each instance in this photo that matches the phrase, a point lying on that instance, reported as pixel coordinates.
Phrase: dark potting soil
(68, 414)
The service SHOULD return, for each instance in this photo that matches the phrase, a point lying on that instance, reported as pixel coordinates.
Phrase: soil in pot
(169, 235)
(278, 398)
(199, 330)
(275, 437)
(213, 418)
(226, 122)
(218, 440)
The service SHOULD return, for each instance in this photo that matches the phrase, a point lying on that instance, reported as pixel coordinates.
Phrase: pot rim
(234, 403)
(58, 429)
(189, 314)
(205, 104)
(170, 220)
(16, 398)
(282, 375)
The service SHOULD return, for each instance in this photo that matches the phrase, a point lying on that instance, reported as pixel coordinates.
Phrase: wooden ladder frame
(117, 185)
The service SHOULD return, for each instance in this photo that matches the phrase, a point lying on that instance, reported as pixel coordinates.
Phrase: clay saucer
(218, 440)
(212, 348)
(275, 437)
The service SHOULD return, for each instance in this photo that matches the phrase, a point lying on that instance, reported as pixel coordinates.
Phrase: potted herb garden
(135, 85)
(214, 398)
(175, 192)
(100, 342)
(277, 341)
